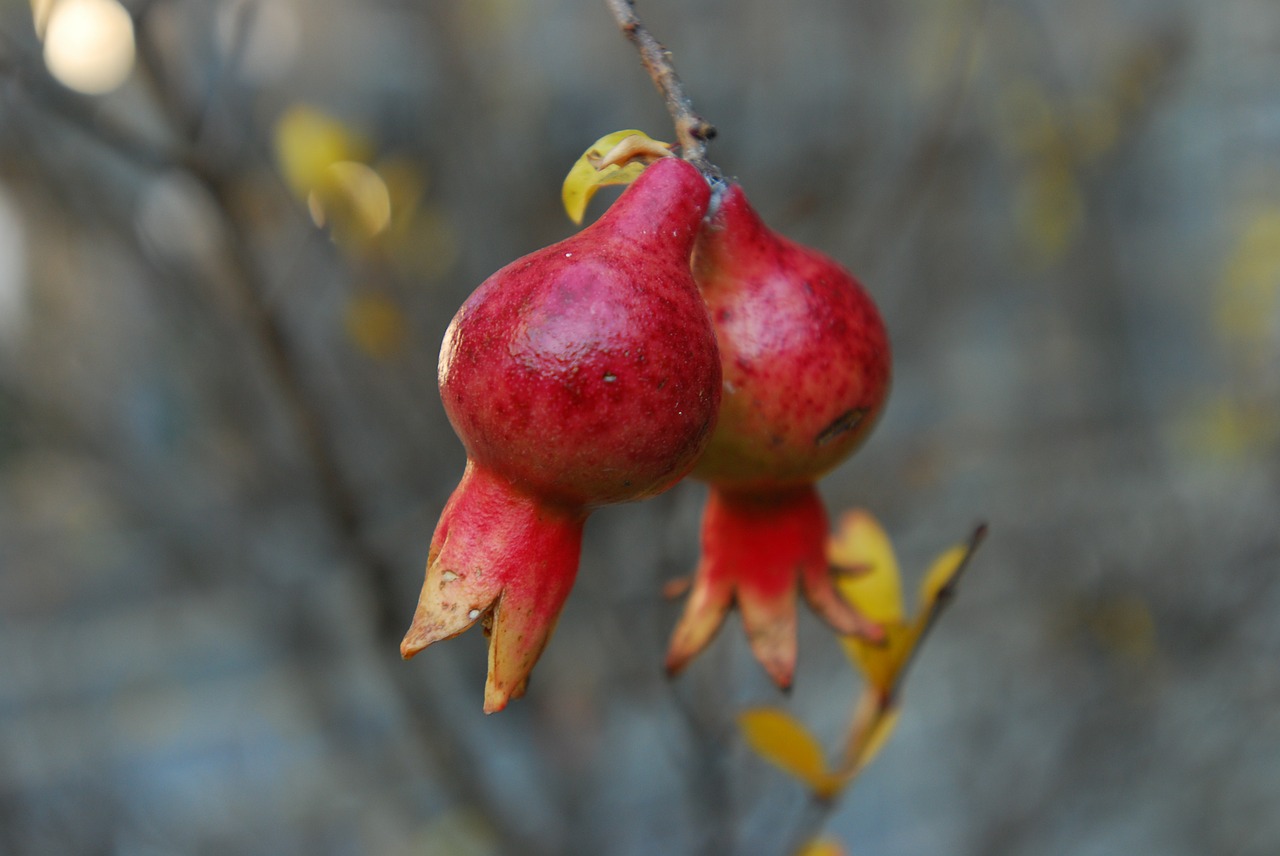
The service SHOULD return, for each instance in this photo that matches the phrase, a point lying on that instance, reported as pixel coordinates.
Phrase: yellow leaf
(862, 549)
(822, 847)
(592, 171)
(354, 202)
(376, 325)
(308, 142)
(881, 662)
(782, 740)
(941, 573)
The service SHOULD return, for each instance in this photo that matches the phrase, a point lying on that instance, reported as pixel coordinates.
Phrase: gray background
(1070, 216)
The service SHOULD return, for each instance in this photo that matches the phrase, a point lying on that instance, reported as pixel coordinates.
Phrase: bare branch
(692, 131)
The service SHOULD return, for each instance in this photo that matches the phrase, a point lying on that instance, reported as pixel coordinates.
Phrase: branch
(692, 131)
(337, 495)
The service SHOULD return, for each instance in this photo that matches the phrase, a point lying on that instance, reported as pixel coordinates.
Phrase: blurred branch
(434, 735)
(338, 498)
(692, 131)
(30, 77)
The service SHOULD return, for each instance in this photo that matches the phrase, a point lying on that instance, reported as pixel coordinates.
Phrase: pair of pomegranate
(659, 341)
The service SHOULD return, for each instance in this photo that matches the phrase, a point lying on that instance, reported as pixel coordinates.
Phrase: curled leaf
(614, 159)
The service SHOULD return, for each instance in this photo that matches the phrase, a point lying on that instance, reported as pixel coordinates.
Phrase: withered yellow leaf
(591, 172)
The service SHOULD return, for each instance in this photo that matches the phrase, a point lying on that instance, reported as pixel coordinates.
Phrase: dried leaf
(592, 172)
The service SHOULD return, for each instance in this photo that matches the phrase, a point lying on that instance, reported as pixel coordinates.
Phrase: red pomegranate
(806, 369)
(583, 374)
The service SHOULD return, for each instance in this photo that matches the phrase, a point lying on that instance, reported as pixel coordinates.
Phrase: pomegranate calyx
(505, 558)
(760, 549)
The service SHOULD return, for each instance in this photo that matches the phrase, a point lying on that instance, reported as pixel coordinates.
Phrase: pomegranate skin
(588, 371)
(806, 365)
(583, 374)
(805, 353)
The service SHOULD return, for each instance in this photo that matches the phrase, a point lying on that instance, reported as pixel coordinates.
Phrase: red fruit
(806, 372)
(583, 374)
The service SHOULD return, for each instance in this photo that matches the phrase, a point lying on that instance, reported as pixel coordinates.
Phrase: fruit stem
(692, 131)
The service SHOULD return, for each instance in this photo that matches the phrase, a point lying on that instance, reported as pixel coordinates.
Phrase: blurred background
(232, 234)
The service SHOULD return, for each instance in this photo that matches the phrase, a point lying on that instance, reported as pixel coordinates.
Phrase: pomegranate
(806, 366)
(583, 374)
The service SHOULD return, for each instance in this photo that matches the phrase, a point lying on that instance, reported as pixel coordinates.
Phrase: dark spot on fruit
(843, 423)
(610, 377)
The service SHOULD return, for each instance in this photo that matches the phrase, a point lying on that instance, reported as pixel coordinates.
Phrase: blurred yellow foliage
(1125, 626)
(370, 208)
(1058, 137)
(308, 142)
(454, 832)
(822, 847)
(1248, 310)
(1225, 428)
(862, 551)
(376, 325)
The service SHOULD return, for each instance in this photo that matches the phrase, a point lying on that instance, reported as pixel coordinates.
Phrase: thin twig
(692, 131)
(435, 735)
(338, 497)
(940, 602)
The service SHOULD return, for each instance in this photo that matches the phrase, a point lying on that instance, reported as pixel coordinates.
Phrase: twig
(338, 497)
(692, 131)
(940, 602)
